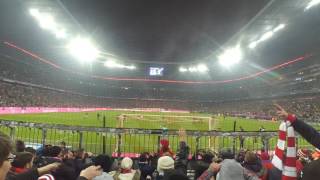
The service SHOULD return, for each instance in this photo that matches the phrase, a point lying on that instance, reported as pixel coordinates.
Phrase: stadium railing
(120, 142)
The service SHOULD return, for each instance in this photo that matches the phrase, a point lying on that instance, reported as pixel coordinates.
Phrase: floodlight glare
(34, 12)
(47, 22)
(110, 64)
(83, 49)
(230, 56)
(253, 45)
(266, 36)
(279, 27)
(114, 64)
(131, 67)
(312, 3)
(182, 69)
(60, 34)
(202, 68)
(192, 69)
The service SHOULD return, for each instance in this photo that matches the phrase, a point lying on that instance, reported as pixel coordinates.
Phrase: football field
(92, 141)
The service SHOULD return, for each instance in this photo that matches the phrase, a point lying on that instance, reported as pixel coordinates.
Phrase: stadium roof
(173, 31)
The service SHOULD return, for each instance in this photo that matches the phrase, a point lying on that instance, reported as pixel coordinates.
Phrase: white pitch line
(202, 117)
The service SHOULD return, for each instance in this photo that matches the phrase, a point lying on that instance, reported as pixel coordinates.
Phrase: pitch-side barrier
(120, 142)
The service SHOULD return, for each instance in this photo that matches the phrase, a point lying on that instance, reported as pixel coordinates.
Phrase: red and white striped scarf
(46, 177)
(288, 167)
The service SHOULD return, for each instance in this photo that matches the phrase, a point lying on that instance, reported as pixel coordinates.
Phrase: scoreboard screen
(156, 71)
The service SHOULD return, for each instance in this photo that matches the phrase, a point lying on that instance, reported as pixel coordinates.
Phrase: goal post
(167, 121)
(158, 121)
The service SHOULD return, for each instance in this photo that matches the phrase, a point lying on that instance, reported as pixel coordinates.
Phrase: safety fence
(131, 142)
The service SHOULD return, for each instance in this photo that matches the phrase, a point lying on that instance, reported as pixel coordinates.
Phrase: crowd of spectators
(26, 95)
(55, 162)
(306, 107)
(18, 95)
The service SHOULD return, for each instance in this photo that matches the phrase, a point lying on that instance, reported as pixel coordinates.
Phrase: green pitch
(137, 143)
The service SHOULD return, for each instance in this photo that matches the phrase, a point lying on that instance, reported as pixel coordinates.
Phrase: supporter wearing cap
(165, 163)
(165, 166)
(126, 172)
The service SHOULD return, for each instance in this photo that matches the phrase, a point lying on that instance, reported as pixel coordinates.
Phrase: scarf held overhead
(287, 165)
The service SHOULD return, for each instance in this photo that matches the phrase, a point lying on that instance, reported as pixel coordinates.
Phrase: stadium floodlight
(61, 34)
(253, 44)
(230, 56)
(192, 69)
(34, 12)
(279, 27)
(266, 36)
(131, 67)
(47, 22)
(202, 68)
(113, 64)
(183, 69)
(311, 4)
(83, 49)
(110, 64)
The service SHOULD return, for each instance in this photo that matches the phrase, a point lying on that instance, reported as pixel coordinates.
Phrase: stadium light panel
(266, 36)
(279, 27)
(114, 64)
(311, 4)
(132, 67)
(202, 68)
(230, 57)
(182, 69)
(192, 69)
(83, 49)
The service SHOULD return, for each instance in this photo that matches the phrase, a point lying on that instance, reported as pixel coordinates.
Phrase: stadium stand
(159, 91)
(20, 94)
(59, 162)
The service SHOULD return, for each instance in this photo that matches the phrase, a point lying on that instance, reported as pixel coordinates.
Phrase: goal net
(156, 121)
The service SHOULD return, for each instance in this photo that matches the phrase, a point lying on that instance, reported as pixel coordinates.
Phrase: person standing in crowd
(126, 172)
(264, 140)
(20, 146)
(105, 162)
(165, 149)
(228, 169)
(145, 166)
(22, 162)
(311, 170)
(165, 166)
(241, 138)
